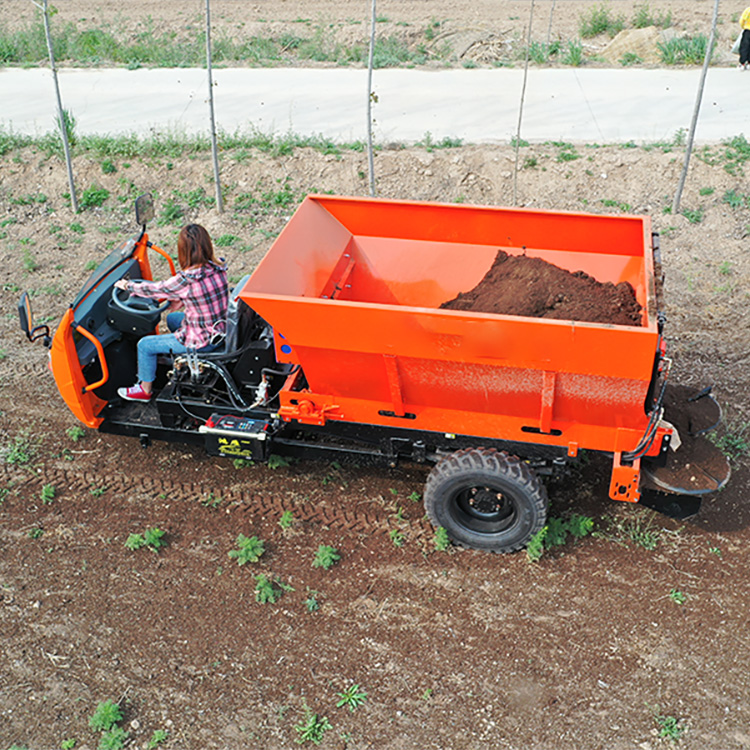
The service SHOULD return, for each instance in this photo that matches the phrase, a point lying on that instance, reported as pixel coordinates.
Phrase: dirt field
(478, 32)
(461, 650)
(635, 632)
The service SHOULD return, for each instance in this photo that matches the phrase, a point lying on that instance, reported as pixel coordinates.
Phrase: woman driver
(200, 288)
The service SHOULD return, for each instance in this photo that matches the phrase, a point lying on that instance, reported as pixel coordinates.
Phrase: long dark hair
(194, 246)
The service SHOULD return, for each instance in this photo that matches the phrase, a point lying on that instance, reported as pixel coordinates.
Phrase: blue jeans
(150, 347)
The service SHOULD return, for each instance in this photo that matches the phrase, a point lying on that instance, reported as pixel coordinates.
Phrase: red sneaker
(134, 393)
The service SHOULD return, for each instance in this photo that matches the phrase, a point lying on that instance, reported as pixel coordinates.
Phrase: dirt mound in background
(534, 288)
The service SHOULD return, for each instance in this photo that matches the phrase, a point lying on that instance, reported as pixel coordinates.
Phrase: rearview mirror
(26, 319)
(144, 209)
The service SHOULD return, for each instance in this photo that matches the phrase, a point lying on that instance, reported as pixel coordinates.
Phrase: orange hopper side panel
(352, 288)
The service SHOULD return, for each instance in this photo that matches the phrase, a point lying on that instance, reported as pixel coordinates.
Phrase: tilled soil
(605, 643)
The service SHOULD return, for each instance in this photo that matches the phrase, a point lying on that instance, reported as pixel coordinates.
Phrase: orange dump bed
(352, 288)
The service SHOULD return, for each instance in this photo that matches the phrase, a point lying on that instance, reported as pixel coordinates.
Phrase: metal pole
(214, 147)
(520, 107)
(370, 97)
(60, 113)
(696, 111)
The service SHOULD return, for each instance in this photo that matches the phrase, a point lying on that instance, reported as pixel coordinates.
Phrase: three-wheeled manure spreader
(337, 346)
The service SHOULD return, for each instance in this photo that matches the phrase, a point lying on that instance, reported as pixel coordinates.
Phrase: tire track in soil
(355, 522)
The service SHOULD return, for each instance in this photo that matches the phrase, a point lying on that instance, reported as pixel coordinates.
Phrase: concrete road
(478, 106)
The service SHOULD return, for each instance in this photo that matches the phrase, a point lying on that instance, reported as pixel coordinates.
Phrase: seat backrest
(234, 316)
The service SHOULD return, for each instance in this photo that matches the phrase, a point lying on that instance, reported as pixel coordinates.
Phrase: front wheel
(486, 500)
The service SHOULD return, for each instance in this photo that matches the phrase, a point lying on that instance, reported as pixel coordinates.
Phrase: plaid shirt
(204, 293)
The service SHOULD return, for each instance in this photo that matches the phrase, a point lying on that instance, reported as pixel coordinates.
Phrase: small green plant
(312, 727)
(108, 166)
(249, 549)
(20, 451)
(97, 491)
(415, 497)
(75, 433)
(574, 54)
(153, 539)
(735, 442)
(669, 727)
(706, 191)
(172, 213)
(269, 591)
(48, 493)
(677, 596)
(211, 501)
(157, 738)
(683, 50)
(227, 240)
(36, 533)
(241, 463)
(277, 462)
(68, 744)
(114, 739)
(106, 715)
(93, 197)
(556, 532)
(353, 697)
(599, 21)
(694, 216)
(442, 542)
(635, 529)
(630, 58)
(286, 520)
(643, 18)
(77, 228)
(397, 537)
(311, 603)
(326, 557)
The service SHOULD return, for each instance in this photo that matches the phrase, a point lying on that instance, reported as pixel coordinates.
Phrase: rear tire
(486, 500)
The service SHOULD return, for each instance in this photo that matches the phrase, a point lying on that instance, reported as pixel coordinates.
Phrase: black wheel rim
(484, 509)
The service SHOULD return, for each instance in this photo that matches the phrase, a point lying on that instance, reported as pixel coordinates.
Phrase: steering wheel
(144, 306)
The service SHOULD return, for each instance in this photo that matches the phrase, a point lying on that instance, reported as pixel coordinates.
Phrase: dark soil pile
(534, 288)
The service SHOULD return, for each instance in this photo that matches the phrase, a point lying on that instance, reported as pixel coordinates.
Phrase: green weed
(77, 228)
(630, 58)
(153, 539)
(599, 20)
(669, 727)
(311, 603)
(48, 493)
(312, 727)
(683, 50)
(735, 441)
(157, 738)
(20, 451)
(249, 549)
(735, 199)
(287, 519)
(75, 433)
(397, 537)
(269, 591)
(106, 715)
(574, 54)
(353, 697)
(172, 213)
(326, 557)
(277, 462)
(694, 216)
(93, 197)
(442, 542)
(68, 744)
(242, 463)
(643, 18)
(226, 240)
(637, 529)
(678, 597)
(555, 534)
(36, 533)
(211, 501)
